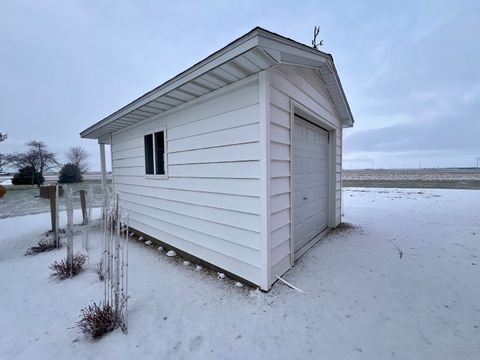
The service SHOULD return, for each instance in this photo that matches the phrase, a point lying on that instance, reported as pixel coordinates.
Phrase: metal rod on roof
(316, 31)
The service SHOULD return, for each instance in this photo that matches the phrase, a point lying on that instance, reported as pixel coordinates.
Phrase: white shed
(236, 161)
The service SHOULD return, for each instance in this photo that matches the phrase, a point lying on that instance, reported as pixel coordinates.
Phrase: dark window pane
(160, 153)
(148, 139)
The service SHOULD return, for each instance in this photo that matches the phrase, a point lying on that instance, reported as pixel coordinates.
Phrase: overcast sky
(410, 70)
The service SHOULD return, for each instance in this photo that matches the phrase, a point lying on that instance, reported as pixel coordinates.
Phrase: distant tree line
(37, 159)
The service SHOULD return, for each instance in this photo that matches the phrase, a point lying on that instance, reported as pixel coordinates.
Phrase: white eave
(256, 51)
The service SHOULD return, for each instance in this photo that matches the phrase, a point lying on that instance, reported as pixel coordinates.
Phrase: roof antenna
(315, 45)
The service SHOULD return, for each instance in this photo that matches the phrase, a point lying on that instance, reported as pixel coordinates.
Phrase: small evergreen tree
(70, 173)
(28, 176)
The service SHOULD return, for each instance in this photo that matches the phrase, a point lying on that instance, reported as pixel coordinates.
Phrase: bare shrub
(63, 269)
(52, 233)
(99, 271)
(42, 246)
(98, 320)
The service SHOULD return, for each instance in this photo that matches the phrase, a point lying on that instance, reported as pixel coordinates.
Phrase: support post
(103, 167)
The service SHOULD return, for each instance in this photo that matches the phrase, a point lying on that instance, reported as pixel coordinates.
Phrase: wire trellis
(114, 255)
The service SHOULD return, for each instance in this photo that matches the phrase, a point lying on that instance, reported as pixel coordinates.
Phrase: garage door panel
(310, 181)
(304, 212)
(297, 165)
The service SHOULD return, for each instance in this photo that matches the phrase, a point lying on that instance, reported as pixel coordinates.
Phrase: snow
(171, 253)
(186, 263)
(361, 301)
(5, 181)
(148, 242)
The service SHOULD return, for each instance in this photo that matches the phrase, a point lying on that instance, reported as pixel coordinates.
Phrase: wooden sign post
(83, 203)
(52, 194)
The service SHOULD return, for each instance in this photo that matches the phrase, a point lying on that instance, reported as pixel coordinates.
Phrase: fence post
(53, 200)
(69, 205)
(57, 220)
(83, 203)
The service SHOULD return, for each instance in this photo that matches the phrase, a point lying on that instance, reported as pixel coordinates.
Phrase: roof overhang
(255, 51)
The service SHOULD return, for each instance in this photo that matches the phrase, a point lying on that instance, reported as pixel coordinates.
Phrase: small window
(155, 153)
(148, 154)
(159, 153)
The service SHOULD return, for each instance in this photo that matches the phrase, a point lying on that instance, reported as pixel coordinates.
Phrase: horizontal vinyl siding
(209, 204)
(306, 88)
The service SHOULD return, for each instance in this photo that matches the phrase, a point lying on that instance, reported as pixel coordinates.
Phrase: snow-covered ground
(361, 301)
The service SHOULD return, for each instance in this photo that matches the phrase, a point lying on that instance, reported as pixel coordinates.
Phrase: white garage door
(310, 182)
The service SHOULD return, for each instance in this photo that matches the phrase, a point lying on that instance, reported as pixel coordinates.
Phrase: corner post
(265, 227)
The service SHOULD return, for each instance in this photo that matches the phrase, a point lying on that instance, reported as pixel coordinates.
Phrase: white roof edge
(233, 49)
(344, 97)
(257, 37)
(311, 57)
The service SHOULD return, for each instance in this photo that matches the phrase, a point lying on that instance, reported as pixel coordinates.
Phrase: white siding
(307, 88)
(209, 206)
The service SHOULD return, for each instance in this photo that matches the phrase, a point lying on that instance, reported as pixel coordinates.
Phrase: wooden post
(69, 205)
(57, 218)
(53, 204)
(83, 202)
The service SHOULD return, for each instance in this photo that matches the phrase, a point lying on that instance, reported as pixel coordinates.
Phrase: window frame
(154, 147)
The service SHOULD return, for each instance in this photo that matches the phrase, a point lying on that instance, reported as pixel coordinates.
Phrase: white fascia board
(231, 51)
(350, 121)
(293, 53)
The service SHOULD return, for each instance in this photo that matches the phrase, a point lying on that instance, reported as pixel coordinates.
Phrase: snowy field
(419, 178)
(420, 174)
(362, 299)
(24, 200)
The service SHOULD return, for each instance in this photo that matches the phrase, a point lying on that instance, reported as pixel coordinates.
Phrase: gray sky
(410, 69)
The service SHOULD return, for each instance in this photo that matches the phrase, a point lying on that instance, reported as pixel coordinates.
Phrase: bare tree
(46, 159)
(78, 156)
(37, 158)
